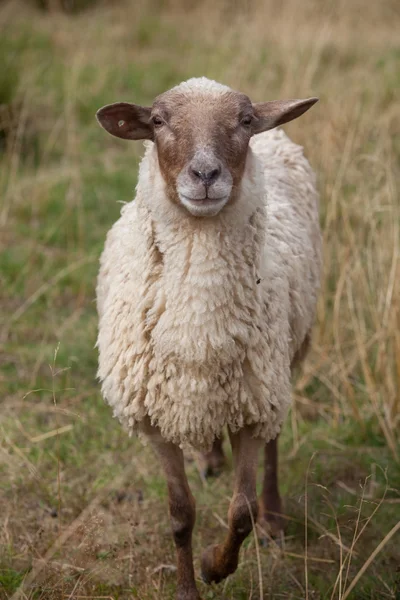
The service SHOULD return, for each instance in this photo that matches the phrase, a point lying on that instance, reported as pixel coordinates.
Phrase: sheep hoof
(214, 567)
(270, 532)
(266, 541)
(212, 471)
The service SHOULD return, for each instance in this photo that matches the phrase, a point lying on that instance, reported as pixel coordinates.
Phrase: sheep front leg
(221, 560)
(182, 510)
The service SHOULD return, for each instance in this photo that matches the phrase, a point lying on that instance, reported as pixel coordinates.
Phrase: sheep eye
(157, 122)
(246, 121)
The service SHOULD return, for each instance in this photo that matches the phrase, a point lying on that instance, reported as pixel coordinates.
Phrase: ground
(82, 506)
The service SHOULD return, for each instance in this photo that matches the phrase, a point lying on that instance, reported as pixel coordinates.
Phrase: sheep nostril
(206, 176)
(212, 175)
(197, 174)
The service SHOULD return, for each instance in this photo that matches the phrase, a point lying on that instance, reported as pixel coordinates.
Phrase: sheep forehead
(202, 85)
(202, 99)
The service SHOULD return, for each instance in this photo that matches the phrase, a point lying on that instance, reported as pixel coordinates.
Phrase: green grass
(62, 181)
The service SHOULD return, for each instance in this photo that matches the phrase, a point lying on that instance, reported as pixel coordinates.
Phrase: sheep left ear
(126, 121)
(271, 114)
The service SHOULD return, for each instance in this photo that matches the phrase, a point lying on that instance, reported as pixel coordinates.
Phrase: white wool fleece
(200, 319)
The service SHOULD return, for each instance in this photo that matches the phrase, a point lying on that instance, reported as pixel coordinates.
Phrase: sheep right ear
(126, 121)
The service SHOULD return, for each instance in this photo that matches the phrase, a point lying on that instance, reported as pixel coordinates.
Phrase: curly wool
(200, 319)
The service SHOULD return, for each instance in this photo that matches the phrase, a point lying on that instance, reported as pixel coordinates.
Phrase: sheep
(206, 295)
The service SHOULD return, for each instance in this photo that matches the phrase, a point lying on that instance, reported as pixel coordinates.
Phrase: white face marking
(204, 200)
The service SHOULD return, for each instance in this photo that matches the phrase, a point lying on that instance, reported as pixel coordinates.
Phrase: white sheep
(207, 293)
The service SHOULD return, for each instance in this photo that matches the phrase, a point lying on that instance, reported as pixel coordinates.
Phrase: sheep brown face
(201, 130)
(202, 143)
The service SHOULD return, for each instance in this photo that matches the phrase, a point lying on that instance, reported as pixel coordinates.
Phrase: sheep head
(201, 130)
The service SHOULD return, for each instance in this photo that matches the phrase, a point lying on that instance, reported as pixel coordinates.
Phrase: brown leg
(182, 510)
(215, 459)
(221, 560)
(270, 501)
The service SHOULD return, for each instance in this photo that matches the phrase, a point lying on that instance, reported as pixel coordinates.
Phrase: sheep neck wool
(194, 329)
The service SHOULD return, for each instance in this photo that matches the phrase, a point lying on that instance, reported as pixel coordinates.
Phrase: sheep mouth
(205, 206)
(204, 200)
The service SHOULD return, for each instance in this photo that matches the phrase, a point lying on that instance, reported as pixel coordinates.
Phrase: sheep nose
(207, 176)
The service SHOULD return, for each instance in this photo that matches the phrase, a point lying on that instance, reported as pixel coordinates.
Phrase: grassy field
(82, 506)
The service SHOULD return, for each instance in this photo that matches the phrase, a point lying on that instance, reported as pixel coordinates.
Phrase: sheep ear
(126, 121)
(271, 114)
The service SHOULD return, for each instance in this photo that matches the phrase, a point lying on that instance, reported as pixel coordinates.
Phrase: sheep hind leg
(219, 561)
(182, 510)
(271, 521)
(214, 461)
